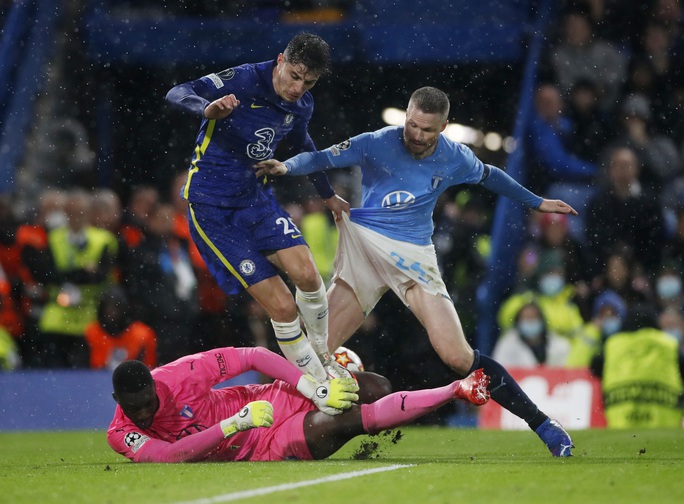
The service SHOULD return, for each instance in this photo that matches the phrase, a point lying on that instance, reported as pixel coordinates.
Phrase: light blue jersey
(400, 192)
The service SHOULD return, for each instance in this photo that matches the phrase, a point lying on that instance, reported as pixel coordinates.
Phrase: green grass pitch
(444, 466)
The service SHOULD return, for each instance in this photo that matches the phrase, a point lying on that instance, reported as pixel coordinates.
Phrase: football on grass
(348, 359)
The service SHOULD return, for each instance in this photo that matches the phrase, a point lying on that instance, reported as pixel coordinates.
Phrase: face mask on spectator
(675, 332)
(668, 286)
(530, 329)
(55, 220)
(611, 325)
(551, 284)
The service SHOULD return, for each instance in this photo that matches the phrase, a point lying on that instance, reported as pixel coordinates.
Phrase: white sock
(313, 308)
(297, 349)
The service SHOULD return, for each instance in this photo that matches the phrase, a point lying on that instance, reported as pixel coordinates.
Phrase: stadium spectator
(668, 286)
(32, 244)
(277, 421)
(387, 244)
(10, 317)
(624, 276)
(163, 290)
(553, 294)
(552, 136)
(242, 232)
(579, 53)
(557, 170)
(554, 237)
(623, 212)
(674, 246)
(592, 127)
(80, 266)
(671, 321)
(116, 337)
(609, 313)
(660, 162)
(641, 372)
(651, 74)
(529, 343)
(10, 271)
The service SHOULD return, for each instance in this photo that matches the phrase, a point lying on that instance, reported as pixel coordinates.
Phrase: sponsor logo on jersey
(436, 180)
(218, 83)
(335, 149)
(397, 200)
(221, 362)
(254, 105)
(247, 267)
(186, 412)
(288, 119)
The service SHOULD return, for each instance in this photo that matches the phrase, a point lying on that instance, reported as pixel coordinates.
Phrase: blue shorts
(234, 242)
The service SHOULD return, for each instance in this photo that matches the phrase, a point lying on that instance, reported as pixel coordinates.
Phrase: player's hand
(255, 414)
(270, 167)
(337, 205)
(221, 108)
(556, 206)
(331, 396)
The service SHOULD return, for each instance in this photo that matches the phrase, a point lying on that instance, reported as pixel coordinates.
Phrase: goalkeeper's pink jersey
(188, 404)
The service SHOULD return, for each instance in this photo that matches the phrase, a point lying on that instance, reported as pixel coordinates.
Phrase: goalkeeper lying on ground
(173, 414)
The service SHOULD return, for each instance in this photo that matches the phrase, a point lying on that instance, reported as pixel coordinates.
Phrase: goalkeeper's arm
(330, 396)
(197, 446)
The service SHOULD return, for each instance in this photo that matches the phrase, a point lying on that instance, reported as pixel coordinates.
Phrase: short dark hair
(130, 377)
(311, 51)
(431, 101)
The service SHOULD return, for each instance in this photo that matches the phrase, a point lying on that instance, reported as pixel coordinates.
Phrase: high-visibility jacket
(137, 341)
(60, 315)
(642, 383)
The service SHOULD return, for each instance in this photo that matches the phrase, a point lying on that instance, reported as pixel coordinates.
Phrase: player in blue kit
(243, 234)
(387, 243)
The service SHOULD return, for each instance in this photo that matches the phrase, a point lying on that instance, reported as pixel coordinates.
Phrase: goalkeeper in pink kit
(173, 413)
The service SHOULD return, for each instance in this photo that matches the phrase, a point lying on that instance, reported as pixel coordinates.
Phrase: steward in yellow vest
(82, 270)
(642, 380)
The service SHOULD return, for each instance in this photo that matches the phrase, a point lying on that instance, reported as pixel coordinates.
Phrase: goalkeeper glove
(255, 414)
(330, 396)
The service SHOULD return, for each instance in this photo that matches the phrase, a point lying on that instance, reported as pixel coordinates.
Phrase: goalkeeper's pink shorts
(285, 438)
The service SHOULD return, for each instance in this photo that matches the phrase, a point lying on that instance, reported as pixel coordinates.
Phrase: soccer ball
(348, 359)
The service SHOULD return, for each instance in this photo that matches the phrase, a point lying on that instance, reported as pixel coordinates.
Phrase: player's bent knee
(372, 387)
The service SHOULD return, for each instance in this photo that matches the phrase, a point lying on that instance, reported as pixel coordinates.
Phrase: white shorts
(372, 264)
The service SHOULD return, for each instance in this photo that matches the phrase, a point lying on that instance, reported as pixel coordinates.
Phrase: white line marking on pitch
(244, 494)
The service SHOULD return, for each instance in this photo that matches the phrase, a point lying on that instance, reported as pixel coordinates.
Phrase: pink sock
(400, 408)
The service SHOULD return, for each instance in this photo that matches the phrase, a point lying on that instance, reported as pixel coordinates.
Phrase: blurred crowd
(88, 279)
(604, 290)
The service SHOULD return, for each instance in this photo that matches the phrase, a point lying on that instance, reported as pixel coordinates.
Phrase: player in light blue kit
(242, 232)
(387, 243)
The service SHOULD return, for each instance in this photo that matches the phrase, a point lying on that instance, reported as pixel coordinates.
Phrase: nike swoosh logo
(296, 236)
(254, 105)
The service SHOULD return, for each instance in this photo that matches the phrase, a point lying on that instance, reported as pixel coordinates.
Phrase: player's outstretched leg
(326, 434)
(403, 407)
(506, 391)
(556, 439)
(313, 309)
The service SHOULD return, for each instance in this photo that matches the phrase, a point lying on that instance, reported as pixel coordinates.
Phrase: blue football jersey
(399, 192)
(221, 171)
